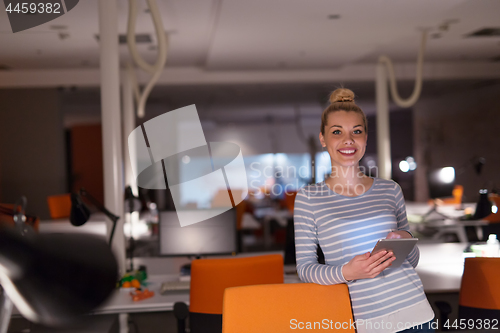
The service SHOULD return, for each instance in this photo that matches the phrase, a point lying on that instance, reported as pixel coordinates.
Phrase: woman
(346, 215)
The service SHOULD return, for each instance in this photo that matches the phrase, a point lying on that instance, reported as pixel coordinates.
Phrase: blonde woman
(345, 215)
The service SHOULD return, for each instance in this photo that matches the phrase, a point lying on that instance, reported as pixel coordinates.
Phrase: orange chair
(288, 201)
(59, 206)
(480, 289)
(285, 307)
(210, 277)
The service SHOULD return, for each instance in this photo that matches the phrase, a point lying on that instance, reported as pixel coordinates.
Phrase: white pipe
(128, 126)
(157, 68)
(383, 128)
(417, 89)
(111, 122)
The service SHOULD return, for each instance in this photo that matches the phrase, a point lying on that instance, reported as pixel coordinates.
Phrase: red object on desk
(139, 295)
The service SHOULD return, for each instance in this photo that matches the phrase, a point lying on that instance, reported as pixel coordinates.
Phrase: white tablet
(401, 247)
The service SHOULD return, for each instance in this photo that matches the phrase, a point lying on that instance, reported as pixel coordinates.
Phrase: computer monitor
(216, 235)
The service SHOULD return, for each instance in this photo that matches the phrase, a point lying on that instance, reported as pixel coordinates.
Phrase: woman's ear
(322, 140)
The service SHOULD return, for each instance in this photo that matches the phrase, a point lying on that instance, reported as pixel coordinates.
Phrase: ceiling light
(485, 32)
(58, 27)
(139, 38)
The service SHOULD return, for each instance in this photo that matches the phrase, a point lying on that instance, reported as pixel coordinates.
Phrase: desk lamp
(54, 279)
(80, 213)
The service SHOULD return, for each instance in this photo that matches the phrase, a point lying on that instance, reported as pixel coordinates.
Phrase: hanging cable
(405, 103)
(155, 69)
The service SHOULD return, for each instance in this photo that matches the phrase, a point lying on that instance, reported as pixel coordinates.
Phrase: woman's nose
(348, 139)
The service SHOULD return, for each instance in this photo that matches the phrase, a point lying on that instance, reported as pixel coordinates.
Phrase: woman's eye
(358, 131)
(336, 132)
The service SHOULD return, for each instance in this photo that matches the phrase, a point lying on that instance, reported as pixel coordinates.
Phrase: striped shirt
(348, 226)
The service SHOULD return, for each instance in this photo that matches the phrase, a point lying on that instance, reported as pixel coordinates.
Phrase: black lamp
(54, 279)
(80, 213)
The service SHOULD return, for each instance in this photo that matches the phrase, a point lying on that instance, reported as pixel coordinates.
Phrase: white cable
(418, 80)
(155, 69)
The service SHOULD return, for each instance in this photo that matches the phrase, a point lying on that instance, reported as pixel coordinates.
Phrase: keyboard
(174, 286)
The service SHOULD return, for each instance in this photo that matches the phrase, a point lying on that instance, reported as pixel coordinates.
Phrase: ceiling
(267, 34)
(242, 46)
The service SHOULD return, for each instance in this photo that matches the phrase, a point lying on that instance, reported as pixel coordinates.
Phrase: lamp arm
(99, 206)
(103, 209)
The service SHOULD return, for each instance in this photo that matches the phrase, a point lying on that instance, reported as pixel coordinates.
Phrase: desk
(415, 211)
(121, 301)
(455, 226)
(441, 267)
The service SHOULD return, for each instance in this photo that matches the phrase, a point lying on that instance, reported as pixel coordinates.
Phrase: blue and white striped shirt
(348, 226)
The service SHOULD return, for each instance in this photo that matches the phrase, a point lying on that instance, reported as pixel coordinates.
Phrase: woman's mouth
(347, 152)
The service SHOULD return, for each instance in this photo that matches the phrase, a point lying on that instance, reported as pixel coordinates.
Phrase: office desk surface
(441, 266)
(121, 301)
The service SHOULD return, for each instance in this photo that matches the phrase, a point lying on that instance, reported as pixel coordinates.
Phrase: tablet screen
(401, 247)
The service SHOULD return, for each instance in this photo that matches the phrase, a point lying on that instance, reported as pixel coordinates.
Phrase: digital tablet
(401, 247)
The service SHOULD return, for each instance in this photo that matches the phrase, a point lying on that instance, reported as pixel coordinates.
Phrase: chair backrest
(480, 289)
(286, 307)
(59, 205)
(209, 278)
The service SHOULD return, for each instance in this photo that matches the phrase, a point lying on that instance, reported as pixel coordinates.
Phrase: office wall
(453, 130)
(32, 155)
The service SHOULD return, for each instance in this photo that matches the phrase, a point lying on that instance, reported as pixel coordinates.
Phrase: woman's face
(345, 138)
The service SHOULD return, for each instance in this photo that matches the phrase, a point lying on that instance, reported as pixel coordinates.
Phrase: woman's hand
(398, 234)
(365, 266)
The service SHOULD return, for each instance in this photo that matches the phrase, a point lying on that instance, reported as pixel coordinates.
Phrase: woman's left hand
(398, 234)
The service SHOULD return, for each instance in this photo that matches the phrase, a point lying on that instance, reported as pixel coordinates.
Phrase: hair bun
(342, 95)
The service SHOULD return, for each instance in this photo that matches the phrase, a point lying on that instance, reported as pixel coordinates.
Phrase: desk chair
(59, 206)
(273, 308)
(480, 289)
(210, 277)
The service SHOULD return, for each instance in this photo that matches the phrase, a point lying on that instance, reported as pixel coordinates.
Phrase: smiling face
(345, 138)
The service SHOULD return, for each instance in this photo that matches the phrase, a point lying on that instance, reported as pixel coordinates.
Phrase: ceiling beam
(199, 76)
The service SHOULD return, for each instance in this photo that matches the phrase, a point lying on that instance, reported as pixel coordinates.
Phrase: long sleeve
(414, 256)
(306, 242)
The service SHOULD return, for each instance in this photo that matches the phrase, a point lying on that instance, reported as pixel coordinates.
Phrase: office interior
(259, 74)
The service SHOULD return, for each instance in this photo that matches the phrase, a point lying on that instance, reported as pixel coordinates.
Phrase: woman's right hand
(366, 266)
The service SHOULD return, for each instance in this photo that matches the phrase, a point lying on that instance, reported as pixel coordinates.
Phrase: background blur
(260, 73)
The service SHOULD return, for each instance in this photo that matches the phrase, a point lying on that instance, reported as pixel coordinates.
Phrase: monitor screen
(216, 235)
(441, 182)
